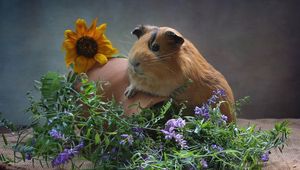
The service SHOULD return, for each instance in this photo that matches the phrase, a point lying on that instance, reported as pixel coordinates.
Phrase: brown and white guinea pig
(162, 60)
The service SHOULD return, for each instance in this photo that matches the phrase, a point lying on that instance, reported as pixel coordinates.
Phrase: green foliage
(241, 102)
(114, 141)
(7, 124)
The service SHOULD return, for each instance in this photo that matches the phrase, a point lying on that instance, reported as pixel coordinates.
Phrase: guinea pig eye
(155, 47)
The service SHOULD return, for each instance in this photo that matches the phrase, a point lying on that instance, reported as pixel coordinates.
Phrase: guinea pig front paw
(130, 91)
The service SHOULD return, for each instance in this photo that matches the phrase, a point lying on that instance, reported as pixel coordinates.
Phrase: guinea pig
(161, 61)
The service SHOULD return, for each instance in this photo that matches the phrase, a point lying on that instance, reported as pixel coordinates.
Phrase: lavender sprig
(56, 134)
(203, 111)
(203, 163)
(216, 147)
(127, 138)
(170, 133)
(67, 155)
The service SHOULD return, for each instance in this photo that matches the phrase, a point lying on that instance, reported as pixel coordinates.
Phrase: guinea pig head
(153, 57)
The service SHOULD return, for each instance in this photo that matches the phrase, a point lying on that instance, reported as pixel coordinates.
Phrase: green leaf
(88, 133)
(97, 138)
(51, 83)
(106, 140)
(111, 133)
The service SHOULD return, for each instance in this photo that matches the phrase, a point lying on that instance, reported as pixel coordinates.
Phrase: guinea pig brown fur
(162, 60)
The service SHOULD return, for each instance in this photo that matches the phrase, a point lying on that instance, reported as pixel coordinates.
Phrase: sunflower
(86, 46)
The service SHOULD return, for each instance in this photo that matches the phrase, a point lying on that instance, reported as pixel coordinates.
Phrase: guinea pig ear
(140, 30)
(174, 38)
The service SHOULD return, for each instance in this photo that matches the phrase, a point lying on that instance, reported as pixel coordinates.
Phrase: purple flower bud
(180, 123)
(122, 142)
(124, 135)
(128, 138)
(168, 135)
(178, 137)
(203, 163)
(170, 125)
(202, 111)
(79, 146)
(216, 147)
(139, 132)
(219, 92)
(216, 94)
(66, 155)
(174, 123)
(212, 100)
(224, 118)
(28, 156)
(55, 134)
(265, 157)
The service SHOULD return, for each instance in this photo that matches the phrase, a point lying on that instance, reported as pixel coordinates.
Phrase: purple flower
(216, 94)
(175, 123)
(124, 135)
(170, 133)
(139, 132)
(66, 155)
(265, 157)
(180, 123)
(212, 99)
(179, 139)
(55, 134)
(203, 163)
(224, 118)
(219, 92)
(63, 157)
(28, 156)
(216, 147)
(79, 146)
(202, 111)
(128, 138)
(122, 142)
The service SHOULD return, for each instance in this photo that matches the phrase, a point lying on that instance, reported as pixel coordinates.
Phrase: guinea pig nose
(135, 63)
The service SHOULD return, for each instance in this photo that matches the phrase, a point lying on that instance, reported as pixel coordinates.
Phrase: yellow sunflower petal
(69, 34)
(100, 58)
(90, 63)
(99, 31)
(81, 26)
(92, 27)
(103, 40)
(69, 58)
(107, 50)
(102, 27)
(80, 64)
(69, 44)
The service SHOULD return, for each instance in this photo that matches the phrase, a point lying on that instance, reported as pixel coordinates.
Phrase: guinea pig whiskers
(165, 67)
(171, 53)
(161, 57)
(156, 59)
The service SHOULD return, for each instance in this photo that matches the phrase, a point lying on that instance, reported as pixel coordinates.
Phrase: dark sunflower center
(86, 46)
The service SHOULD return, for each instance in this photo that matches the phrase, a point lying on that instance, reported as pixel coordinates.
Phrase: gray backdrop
(255, 44)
